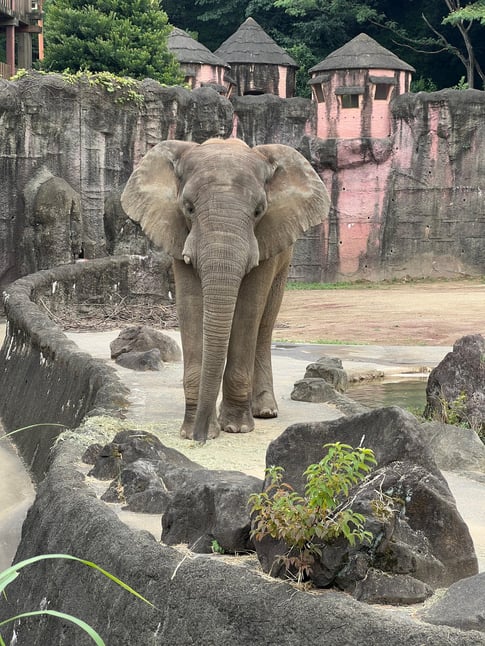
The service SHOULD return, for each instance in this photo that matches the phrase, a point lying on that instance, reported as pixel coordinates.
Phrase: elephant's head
(224, 208)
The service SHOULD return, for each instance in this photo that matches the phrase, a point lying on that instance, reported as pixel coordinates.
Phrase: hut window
(382, 92)
(350, 100)
(317, 88)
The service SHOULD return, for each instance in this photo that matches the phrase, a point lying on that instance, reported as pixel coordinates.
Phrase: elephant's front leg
(248, 381)
(235, 413)
(190, 315)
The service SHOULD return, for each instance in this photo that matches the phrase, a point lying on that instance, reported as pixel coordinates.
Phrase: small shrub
(321, 515)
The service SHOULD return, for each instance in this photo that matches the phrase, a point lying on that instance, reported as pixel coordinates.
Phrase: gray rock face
(456, 387)
(211, 505)
(330, 369)
(204, 600)
(199, 506)
(425, 540)
(317, 389)
(52, 232)
(461, 606)
(141, 361)
(141, 338)
(454, 448)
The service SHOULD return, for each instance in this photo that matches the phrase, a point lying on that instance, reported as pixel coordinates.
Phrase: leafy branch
(324, 513)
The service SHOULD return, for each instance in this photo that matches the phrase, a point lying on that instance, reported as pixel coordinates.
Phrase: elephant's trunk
(221, 277)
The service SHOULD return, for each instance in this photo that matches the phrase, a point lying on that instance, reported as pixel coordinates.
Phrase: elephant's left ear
(297, 199)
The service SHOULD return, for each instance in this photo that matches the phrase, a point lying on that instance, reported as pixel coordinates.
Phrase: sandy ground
(397, 314)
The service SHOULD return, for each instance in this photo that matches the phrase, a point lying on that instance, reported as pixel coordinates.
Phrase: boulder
(461, 606)
(131, 445)
(141, 338)
(211, 506)
(141, 361)
(331, 370)
(455, 448)
(318, 390)
(424, 540)
(456, 387)
(199, 506)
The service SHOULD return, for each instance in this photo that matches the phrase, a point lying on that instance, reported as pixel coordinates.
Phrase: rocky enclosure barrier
(205, 600)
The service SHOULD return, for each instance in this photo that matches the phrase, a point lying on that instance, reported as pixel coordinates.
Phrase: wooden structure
(354, 86)
(258, 64)
(20, 20)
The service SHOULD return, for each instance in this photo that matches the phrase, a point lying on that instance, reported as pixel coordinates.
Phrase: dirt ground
(436, 313)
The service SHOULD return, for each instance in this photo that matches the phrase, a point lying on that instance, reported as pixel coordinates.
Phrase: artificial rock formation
(425, 544)
(455, 392)
(200, 507)
(408, 204)
(142, 338)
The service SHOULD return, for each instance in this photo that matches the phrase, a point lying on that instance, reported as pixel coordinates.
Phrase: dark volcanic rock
(425, 539)
(456, 387)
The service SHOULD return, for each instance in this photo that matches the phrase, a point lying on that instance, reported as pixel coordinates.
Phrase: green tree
(463, 18)
(450, 29)
(210, 21)
(124, 37)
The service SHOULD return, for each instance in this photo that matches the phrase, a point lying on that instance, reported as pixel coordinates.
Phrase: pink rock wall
(412, 204)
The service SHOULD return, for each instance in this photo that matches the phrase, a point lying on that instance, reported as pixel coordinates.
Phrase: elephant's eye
(259, 210)
(189, 208)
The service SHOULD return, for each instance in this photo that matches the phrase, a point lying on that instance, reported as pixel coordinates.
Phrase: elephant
(228, 215)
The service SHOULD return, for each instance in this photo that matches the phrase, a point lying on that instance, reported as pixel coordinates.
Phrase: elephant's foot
(235, 419)
(187, 429)
(264, 405)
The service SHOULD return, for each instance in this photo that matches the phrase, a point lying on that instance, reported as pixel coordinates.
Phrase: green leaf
(12, 572)
(61, 615)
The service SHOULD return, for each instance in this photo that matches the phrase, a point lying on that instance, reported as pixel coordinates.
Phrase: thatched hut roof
(251, 44)
(362, 52)
(188, 50)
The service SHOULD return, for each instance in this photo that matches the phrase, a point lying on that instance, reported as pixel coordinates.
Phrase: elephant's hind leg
(263, 399)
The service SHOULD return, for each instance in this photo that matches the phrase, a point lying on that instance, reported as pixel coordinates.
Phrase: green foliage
(454, 412)
(11, 573)
(123, 89)
(217, 547)
(302, 55)
(423, 85)
(461, 85)
(469, 13)
(127, 38)
(306, 522)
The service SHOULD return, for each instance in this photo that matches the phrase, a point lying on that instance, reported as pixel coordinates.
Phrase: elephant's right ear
(150, 196)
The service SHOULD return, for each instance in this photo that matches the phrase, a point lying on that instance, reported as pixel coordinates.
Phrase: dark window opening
(350, 100)
(319, 93)
(382, 92)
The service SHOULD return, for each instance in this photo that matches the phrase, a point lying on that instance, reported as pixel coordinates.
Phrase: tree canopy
(124, 37)
(442, 39)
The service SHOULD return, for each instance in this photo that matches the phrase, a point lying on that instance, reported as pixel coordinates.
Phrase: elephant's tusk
(187, 260)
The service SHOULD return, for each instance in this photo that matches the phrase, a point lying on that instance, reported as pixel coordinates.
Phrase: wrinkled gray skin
(228, 215)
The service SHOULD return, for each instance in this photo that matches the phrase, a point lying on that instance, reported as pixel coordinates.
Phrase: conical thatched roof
(362, 52)
(188, 50)
(251, 44)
